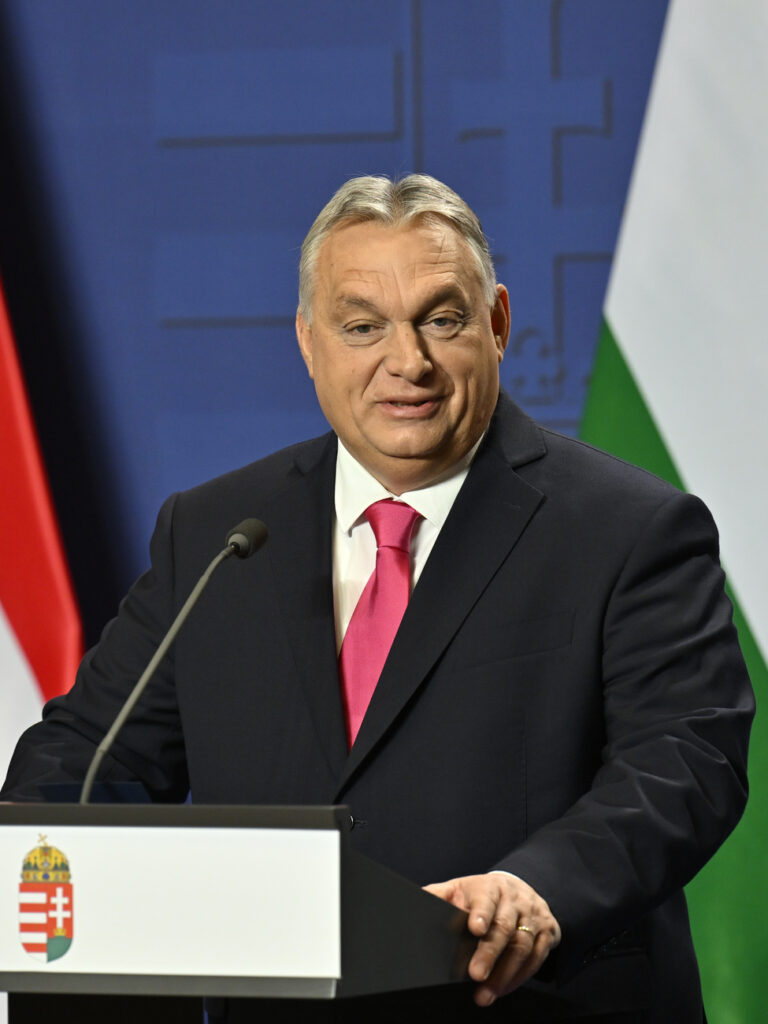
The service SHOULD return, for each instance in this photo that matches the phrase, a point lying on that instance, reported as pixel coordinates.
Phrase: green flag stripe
(617, 419)
(726, 914)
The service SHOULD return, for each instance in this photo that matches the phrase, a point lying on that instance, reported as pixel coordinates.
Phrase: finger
(441, 889)
(500, 938)
(475, 895)
(487, 916)
(519, 962)
(450, 891)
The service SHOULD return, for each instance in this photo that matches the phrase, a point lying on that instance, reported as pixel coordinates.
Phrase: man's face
(403, 348)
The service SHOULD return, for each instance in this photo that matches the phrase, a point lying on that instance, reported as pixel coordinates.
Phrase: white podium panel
(176, 901)
(201, 905)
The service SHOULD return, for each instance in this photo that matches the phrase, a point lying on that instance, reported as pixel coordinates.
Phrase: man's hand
(515, 928)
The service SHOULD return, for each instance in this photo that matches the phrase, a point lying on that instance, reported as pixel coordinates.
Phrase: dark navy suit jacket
(565, 698)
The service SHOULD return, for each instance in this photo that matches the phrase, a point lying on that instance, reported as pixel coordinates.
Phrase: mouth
(409, 408)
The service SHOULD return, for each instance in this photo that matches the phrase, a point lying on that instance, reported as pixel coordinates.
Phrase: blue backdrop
(164, 159)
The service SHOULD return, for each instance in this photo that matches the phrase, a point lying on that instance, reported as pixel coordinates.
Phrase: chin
(408, 453)
(408, 445)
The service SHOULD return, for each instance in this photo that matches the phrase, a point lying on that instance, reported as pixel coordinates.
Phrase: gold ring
(524, 928)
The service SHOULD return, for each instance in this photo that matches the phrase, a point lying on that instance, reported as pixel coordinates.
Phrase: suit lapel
(301, 519)
(490, 513)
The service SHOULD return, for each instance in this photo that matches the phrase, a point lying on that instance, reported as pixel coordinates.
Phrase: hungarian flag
(40, 635)
(680, 386)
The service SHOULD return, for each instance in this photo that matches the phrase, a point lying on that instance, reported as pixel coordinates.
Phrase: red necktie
(377, 614)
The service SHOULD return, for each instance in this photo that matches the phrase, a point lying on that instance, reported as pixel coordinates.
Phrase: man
(556, 741)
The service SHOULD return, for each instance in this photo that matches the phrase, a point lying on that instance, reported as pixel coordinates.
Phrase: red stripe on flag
(35, 588)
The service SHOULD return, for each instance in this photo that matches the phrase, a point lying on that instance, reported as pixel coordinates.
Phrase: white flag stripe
(21, 699)
(32, 897)
(38, 917)
(686, 300)
(34, 939)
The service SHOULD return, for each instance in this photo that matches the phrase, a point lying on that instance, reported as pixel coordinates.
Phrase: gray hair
(376, 198)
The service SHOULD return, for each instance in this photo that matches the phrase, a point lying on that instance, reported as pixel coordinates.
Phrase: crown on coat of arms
(45, 863)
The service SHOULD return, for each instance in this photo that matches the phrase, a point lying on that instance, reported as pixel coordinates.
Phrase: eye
(362, 331)
(444, 325)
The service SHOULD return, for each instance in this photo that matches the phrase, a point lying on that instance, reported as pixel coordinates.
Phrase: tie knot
(392, 523)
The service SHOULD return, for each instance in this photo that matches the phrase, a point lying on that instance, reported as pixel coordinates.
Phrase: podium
(211, 901)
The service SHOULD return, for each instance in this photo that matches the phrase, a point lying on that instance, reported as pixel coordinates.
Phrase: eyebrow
(346, 301)
(451, 293)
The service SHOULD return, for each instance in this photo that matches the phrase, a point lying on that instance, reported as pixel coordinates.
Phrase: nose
(407, 354)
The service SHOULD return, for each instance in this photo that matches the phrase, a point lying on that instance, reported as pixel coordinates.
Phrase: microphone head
(247, 537)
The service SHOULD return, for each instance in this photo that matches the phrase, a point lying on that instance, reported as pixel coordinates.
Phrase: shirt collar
(356, 489)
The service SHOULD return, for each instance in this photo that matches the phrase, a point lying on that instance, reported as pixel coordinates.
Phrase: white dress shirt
(354, 544)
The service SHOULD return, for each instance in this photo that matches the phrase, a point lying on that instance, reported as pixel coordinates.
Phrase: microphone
(242, 540)
(247, 537)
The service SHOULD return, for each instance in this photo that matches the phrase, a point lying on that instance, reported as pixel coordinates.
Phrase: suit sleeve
(150, 748)
(677, 708)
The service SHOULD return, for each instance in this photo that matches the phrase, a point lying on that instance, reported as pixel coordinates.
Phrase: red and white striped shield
(46, 913)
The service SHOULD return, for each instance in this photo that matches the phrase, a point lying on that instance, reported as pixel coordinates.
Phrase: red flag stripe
(35, 588)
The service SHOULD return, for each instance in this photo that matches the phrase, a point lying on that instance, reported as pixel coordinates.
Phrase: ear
(500, 319)
(304, 335)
